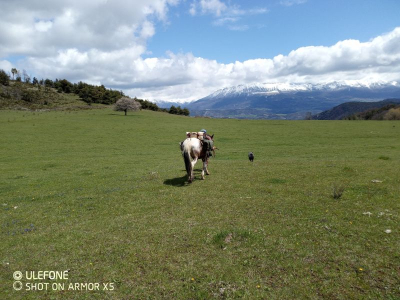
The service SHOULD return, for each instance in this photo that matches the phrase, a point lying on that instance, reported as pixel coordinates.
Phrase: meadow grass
(105, 196)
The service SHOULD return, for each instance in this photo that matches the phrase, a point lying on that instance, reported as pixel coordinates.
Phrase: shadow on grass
(182, 181)
(179, 181)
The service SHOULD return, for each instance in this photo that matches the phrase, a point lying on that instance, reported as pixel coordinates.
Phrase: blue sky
(279, 30)
(183, 50)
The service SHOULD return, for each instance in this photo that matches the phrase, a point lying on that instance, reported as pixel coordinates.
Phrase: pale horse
(192, 150)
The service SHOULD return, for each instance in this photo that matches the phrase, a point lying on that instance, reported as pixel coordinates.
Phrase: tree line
(87, 92)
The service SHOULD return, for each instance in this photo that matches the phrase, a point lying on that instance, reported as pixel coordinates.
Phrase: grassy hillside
(387, 112)
(360, 111)
(104, 196)
(25, 96)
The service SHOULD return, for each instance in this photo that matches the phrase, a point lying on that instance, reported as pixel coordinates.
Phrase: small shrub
(276, 180)
(384, 157)
(30, 96)
(238, 236)
(392, 114)
(348, 170)
(337, 191)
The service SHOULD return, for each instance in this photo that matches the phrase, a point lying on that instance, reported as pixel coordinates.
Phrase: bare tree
(14, 71)
(125, 104)
(25, 76)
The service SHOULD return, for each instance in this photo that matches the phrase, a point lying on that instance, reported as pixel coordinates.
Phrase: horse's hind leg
(191, 176)
(194, 161)
(204, 169)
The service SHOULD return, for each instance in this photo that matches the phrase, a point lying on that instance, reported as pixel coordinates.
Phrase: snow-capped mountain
(289, 101)
(260, 88)
(278, 88)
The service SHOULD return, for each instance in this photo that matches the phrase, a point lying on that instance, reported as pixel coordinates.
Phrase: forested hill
(356, 110)
(24, 93)
(46, 93)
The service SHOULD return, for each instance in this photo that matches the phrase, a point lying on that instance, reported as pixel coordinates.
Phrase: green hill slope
(386, 112)
(19, 95)
(355, 110)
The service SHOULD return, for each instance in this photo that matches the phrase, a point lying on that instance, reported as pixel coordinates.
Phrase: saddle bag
(198, 135)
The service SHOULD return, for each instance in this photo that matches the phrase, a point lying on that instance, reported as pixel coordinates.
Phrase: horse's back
(191, 144)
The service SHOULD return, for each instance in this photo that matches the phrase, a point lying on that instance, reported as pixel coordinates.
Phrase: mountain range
(288, 101)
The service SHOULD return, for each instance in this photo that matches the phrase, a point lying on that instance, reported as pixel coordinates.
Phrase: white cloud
(193, 8)
(190, 78)
(292, 2)
(220, 9)
(225, 14)
(257, 11)
(225, 20)
(5, 65)
(238, 27)
(344, 56)
(45, 27)
(215, 7)
(100, 43)
(184, 77)
(147, 30)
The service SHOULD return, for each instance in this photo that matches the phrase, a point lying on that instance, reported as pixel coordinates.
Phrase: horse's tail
(188, 163)
(186, 148)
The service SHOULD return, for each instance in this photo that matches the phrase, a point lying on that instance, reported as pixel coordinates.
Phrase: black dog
(251, 156)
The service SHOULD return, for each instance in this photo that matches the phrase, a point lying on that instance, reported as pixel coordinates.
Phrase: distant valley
(287, 101)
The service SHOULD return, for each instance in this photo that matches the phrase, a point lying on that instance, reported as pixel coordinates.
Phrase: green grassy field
(104, 196)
